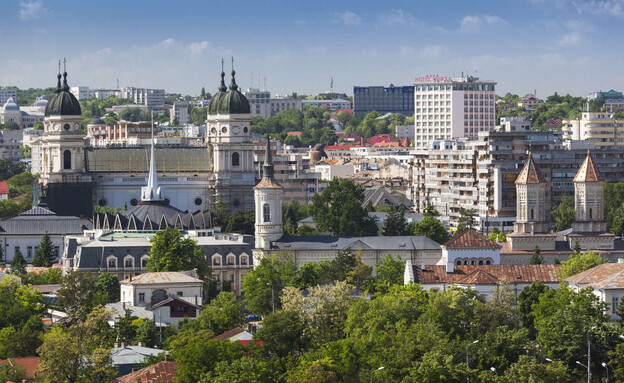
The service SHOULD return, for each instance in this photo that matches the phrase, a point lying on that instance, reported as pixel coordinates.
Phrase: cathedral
(589, 229)
(75, 177)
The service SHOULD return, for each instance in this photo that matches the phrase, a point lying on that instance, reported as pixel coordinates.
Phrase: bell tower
(269, 197)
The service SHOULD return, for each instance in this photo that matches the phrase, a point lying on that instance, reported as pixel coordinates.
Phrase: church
(75, 177)
(589, 229)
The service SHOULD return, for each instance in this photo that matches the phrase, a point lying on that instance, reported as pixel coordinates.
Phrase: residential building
(29, 364)
(148, 97)
(24, 232)
(5, 94)
(162, 372)
(259, 102)
(10, 111)
(447, 108)
(601, 128)
(530, 102)
(4, 190)
(148, 289)
(103, 94)
(406, 131)
(606, 282)
(333, 105)
(281, 104)
(484, 279)
(180, 113)
(126, 358)
(334, 168)
(11, 145)
(392, 99)
(612, 100)
(471, 248)
(82, 92)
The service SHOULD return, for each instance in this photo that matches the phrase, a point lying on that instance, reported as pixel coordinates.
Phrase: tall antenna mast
(331, 85)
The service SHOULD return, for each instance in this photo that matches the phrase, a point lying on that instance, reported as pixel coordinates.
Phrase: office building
(259, 102)
(281, 104)
(332, 105)
(392, 99)
(448, 108)
(147, 97)
(601, 128)
(5, 94)
(179, 114)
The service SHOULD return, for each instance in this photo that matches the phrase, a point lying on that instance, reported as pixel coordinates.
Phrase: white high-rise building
(5, 94)
(259, 101)
(447, 108)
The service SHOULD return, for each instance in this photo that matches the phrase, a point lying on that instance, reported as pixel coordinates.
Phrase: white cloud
(32, 10)
(197, 48)
(347, 18)
(395, 17)
(600, 8)
(474, 23)
(168, 42)
(570, 39)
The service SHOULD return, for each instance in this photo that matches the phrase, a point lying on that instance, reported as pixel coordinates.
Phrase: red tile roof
(338, 147)
(162, 372)
(530, 174)
(588, 172)
(470, 239)
(29, 363)
(293, 133)
(4, 188)
(228, 334)
(487, 274)
(605, 276)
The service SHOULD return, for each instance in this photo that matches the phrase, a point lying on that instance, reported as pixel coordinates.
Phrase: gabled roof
(605, 276)
(162, 277)
(4, 187)
(530, 173)
(470, 239)
(486, 274)
(29, 363)
(229, 334)
(174, 298)
(588, 172)
(162, 372)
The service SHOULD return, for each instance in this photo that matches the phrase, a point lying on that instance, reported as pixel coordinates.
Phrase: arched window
(235, 159)
(128, 261)
(480, 263)
(531, 213)
(488, 262)
(590, 213)
(458, 262)
(266, 210)
(216, 260)
(67, 160)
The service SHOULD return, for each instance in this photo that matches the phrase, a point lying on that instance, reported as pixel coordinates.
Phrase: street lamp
(496, 373)
(467, 356)
(588, 370)
(374, 371)
(550, 361)
(606, 368)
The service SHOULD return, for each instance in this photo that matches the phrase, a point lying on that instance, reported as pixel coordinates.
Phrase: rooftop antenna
(117, 83)
(331, 85)
(64, 64)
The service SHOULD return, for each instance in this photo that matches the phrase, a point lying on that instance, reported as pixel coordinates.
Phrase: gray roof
(174, 298)
(400, 243)
(132, 354)
(38, 220)
(169, 160)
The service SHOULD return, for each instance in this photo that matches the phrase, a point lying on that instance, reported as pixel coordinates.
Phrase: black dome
(64, 103)
(230, 102)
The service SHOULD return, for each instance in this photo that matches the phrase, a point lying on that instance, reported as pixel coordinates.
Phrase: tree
(78, 294)
(528, 369)
(45, 255)
(11, 372)
(244, 370)
(306, 231)
(579, 262)
(309, 275)
(430, 227)
(536, 258)
(466, 220)
(529, 296)
(203, 92)
(395, 223)
(171, 252)
(263, 285)
(338, 209)
(390, 271)
(78, 353)
(242, 222)
(10, 125)
(222, 314)
(283, 333)
(108, 285)
(360, 274)
(18, 263)
(564, 214)
(339, 267)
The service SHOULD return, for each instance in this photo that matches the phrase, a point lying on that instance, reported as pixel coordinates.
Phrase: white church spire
(152, 191)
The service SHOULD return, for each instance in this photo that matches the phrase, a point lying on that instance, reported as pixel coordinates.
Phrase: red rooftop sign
(433, 78)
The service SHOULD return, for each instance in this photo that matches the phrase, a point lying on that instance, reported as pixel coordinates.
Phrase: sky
(568, 46)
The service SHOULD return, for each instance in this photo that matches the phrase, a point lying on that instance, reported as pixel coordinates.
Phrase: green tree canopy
(222, 314)
(45, 254)
(107, 284)
(18, 263)
(564, 214)
(395, 223)
(171, 252)
(263, 285)
(338, 210)
(536, 258)
(579, 262)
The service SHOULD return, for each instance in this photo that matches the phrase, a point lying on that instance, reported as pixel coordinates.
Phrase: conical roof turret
(530, 173)
(588, 172)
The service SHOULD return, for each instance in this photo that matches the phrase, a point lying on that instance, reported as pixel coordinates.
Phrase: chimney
(140, 344)
(130, 278)
(620, 260)
(450, 267)
(422, 267)
(123, 305)
(166, 357)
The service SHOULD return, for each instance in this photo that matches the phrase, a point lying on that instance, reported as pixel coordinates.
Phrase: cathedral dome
(64, 103)
(41, 101)
(230, 102)
(10, 105)
(97, 121)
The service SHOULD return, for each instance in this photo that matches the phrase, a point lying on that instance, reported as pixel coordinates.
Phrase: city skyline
(523, 45)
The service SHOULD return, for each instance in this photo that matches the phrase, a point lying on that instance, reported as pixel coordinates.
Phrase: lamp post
(589, 354)
(495, 373)
(588, 370)
(467, 356)
(550, 361)
(374, 371)
(606, 368)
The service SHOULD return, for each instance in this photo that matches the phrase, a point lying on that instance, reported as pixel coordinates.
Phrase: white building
(405, 131)
(281, 104)
(144, 96)
(10, 111)
(150, 288)
(602, 128)
(332, 105)
(330, 170)
(446, 108)
(82, 92)
(606, 281)
(5, 94)
(259, 102)
(471, 248)
(180, 113)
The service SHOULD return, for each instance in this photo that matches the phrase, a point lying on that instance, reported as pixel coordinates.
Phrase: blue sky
(571, 46)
